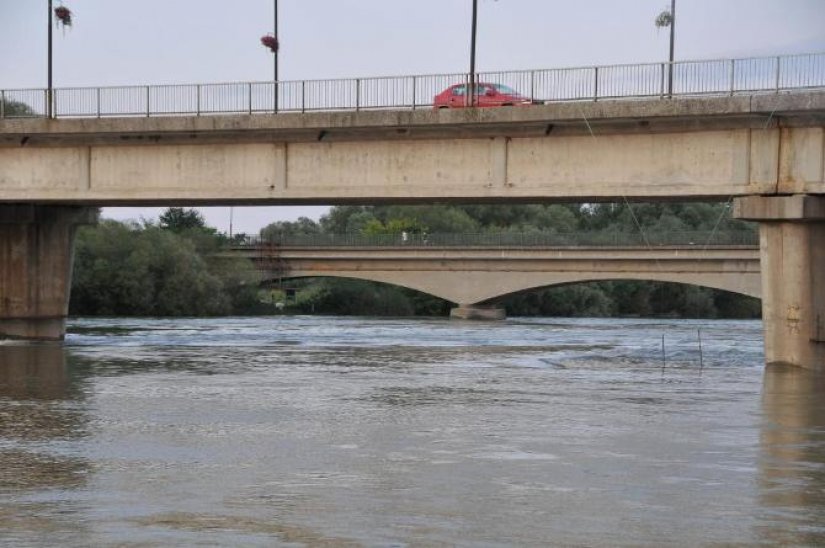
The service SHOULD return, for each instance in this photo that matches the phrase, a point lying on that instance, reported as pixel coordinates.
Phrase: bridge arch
(469, 288)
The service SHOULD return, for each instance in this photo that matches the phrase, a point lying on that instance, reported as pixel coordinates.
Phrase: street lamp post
(275, 55)
(49, 64)
(473, 53)
(63, 15)
(672, 39)
(270, 41)
(668, 19)
(275, 33)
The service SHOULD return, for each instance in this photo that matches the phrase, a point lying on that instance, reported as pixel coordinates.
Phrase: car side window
(460, 90)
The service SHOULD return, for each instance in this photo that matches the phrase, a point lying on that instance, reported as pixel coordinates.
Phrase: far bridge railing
(510, 239)
(773, 74)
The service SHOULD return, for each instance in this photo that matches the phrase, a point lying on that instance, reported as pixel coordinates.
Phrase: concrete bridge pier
(36, 252)
(792, 255)
(477, 312)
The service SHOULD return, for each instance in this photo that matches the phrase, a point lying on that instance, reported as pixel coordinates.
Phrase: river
(307, 431)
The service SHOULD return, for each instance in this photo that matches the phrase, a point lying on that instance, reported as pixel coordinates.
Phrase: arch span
(475, 287)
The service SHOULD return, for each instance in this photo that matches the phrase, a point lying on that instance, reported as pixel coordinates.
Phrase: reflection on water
(355, 431)
(37, 411)
(793, 455)
(33, 372)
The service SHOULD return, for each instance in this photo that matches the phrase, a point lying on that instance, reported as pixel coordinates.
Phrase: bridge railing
(511, 239)
(646, 80)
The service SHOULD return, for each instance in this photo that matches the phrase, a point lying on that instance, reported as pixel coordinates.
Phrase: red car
(486, 95)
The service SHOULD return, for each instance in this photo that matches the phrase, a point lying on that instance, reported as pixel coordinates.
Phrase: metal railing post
(620, 81)
(595, 83)
(662, 83)
(468, 96)
(778, 72)
(2, 103)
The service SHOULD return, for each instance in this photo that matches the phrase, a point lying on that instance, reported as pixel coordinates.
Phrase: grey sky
(115, 42)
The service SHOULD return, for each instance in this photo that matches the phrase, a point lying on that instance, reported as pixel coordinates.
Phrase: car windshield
(505, 89)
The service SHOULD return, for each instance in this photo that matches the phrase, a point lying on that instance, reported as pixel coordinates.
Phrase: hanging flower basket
(270, 42)
(63, 15)
(664, 19)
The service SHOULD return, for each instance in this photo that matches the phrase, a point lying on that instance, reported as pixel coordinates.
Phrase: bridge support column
(36, 251)
(477, 312)
(792, 256)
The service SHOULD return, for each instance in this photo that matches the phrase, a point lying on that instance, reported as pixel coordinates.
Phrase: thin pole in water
(664, 354)
(701, 358)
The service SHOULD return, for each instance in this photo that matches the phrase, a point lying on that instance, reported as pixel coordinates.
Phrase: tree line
(170, 268)
(175, 266)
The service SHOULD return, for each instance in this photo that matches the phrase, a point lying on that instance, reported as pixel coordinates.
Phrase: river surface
(308, 431)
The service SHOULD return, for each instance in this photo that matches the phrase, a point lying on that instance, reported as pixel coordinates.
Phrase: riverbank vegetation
(175, 267)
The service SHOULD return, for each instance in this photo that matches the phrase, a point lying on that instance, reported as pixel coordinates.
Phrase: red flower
(271, 42)
(64, 15)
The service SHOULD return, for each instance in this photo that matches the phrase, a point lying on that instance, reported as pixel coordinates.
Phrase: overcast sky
(118, 42)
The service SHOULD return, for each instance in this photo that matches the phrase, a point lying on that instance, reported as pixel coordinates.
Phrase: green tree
(356, 297)
(16, 109)
(394, 226)
(303, 225)
(144, 270)
(337, 220)
(178, 219)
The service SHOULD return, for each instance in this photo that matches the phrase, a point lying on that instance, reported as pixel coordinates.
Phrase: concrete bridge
(766, 150)
(475, 276)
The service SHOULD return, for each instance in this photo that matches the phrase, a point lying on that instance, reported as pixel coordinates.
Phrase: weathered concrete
(35, 268)
(684, 148)
(470, 276)
(792, 243)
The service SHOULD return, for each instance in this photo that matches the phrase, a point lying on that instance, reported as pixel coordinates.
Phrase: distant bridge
(473, 270)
